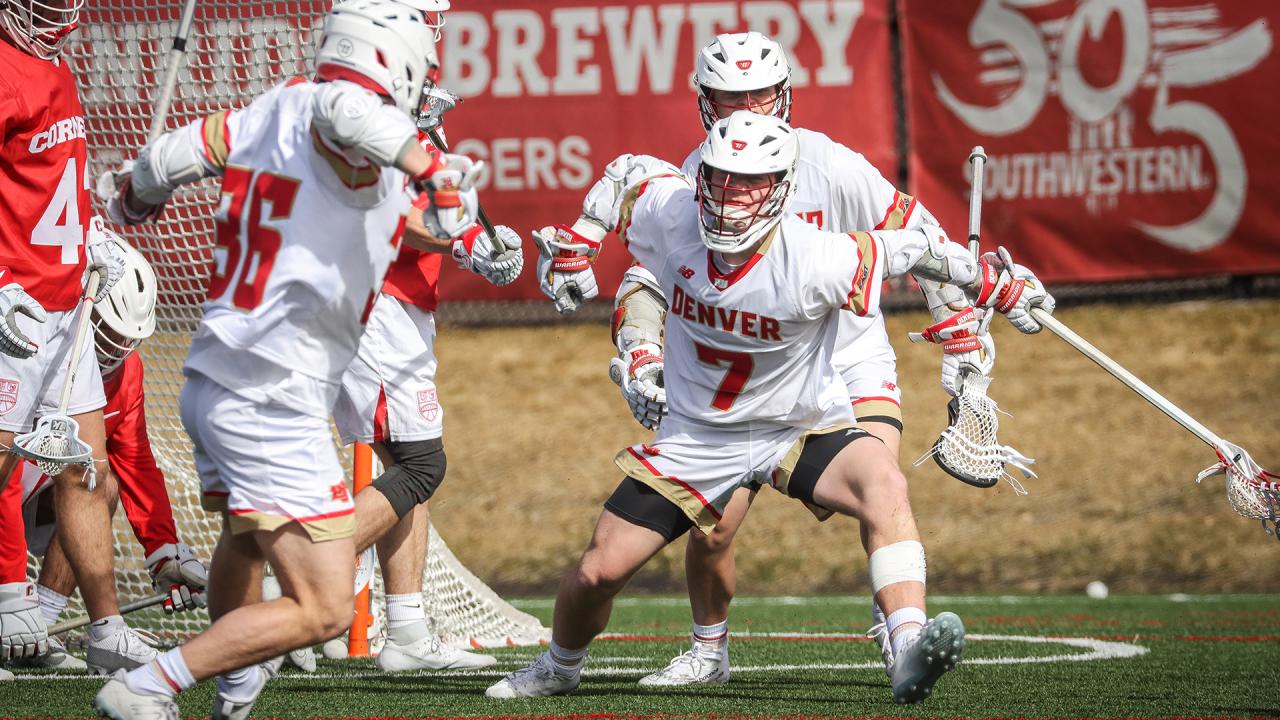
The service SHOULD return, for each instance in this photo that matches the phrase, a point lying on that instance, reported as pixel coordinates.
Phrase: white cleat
(927, 657)
(303, 659)
(428, 653)
(118, 702)
(880, 633)
(692, 668)
(235, 703)
(540, 679)
(122, 650)
(56, 659)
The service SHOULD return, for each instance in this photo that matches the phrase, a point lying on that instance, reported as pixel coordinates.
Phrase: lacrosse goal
(236, 50)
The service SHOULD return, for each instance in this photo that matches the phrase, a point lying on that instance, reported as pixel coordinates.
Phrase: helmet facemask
(737, 210)
(774, 100)
(40, 27)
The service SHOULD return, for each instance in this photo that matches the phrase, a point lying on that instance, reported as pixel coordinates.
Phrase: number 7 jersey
(754, 344)
(304, 238)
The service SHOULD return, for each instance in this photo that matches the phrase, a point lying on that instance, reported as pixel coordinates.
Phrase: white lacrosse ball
(335, 649)
(1097, 590)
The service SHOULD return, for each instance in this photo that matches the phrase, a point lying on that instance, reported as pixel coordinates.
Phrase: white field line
(1093, 650)
(802, 600)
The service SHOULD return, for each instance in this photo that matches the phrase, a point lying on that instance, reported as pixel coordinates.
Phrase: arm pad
(171, 160)
(353, 117)
(605, 200)
(927, 253)
(639, 312)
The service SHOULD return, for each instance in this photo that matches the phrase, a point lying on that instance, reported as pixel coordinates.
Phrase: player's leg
(636, 523)
(888, 431)
(22, 632)
(711, 575)
(853, 473)
(53, 588)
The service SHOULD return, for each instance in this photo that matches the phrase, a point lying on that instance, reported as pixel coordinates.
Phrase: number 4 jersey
(305, 233)
(44, 202)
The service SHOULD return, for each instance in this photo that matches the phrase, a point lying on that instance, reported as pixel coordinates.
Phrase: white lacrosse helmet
(428, 8)
(746, 179)
(40, 27)
(127, 315)
(383, 46)
(743, 63)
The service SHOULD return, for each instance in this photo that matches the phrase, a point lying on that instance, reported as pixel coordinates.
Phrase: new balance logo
(686, 272)
(339, 492)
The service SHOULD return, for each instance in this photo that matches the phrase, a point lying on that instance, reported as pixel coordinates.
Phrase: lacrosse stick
(1254, 493)
(438, 101)
(968, 449)
(172, 65)
(79, 622)
(55, 444)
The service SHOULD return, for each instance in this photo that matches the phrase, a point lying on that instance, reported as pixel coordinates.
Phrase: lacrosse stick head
(436, 101)
(54, 445)
(1254, 493)
(968, 448)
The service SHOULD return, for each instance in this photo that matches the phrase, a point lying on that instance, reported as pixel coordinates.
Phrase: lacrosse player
(388, 400)
(753, 394)
(837, 190)
(124, 318)
(313, 176)
(46, 243)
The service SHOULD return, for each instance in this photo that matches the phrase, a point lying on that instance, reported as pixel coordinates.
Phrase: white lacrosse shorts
(389, 390)
(699, 466)
(873, 389)
(32, 388)
(265, 465)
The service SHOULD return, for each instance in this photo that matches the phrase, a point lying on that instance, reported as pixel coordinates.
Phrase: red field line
(1190, 638)
(683, 716)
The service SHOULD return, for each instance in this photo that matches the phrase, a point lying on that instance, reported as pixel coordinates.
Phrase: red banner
(1127, 139)
(554, 91)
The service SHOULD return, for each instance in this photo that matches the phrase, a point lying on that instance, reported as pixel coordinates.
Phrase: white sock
(166, 676)
(714, 638)
(237, 680)
(103, 628)
(406, 618)
(52, 603)
(570, 661)
(904, 624)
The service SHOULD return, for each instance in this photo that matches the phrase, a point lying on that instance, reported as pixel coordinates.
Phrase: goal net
(236, 51)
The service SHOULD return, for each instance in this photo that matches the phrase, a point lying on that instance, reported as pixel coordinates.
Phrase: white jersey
(839, 191)
(755, 344)
(305, 237)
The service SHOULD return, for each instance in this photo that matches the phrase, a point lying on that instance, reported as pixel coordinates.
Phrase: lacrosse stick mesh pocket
(968, 448)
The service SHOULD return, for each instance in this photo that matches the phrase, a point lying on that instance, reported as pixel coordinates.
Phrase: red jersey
(45, 207)
(142, 487)
(414, 277)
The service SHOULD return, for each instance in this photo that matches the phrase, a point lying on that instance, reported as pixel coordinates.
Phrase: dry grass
(533, 423)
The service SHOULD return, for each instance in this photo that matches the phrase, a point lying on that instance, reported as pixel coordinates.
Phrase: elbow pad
(926, 252)
(171, 160)
(639, 312)
(611, 196)
(349, 115)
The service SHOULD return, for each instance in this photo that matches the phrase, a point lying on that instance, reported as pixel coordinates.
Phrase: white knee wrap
(899, 562)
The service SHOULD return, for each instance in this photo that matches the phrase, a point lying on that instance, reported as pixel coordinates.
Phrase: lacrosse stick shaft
(82, 332)
(484, 219)
(977, 161)
(172, 66)
(79, 622)
(1111, 366)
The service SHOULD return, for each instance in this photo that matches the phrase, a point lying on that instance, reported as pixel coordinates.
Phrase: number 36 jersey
(305, 234)
(754, 344)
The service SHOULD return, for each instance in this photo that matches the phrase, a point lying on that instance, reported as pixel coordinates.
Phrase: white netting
(237, 50)
(969, 447)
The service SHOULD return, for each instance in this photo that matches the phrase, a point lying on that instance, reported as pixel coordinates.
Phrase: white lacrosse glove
(565, 275)
(450, 184)
(639, 375)
(113, 190)
(1013, 290)
(175, 569)
(966, 345)
(22, 630)
(106, 252)
(474, 252)
(13, 300)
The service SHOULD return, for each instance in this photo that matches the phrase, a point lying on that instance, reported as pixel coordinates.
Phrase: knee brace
(900, 562)
(418, 470)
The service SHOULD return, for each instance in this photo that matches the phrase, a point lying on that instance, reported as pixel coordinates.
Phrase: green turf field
(1060, 657)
